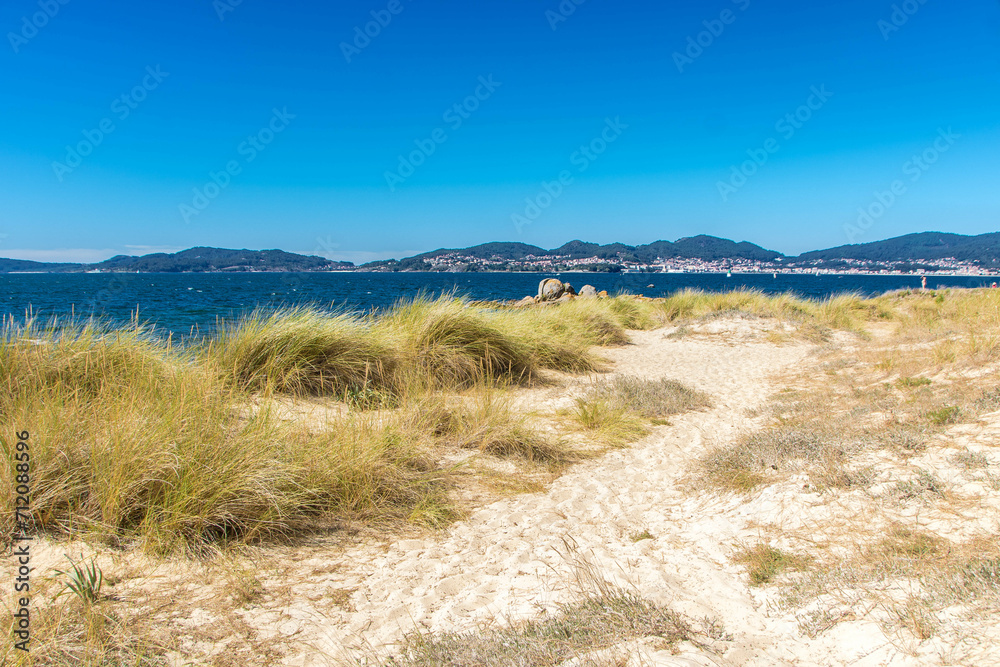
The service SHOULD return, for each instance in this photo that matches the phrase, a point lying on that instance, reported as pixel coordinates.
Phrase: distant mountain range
(699, 247)
(194, 260)
(928, 250)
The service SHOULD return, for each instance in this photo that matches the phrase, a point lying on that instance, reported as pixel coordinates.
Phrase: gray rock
(550, 289)
(588, 291)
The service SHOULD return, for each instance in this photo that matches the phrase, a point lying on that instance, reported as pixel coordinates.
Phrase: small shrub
(614, 426)
(597, 622)
(922, 484)
(970, 460)
(946, 415)
(764, 562)
(910, 382)
(653, 399)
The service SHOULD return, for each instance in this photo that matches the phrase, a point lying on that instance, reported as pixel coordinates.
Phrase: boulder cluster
(552, 290)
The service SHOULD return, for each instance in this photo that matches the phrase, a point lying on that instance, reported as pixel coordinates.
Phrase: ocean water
(192, 304)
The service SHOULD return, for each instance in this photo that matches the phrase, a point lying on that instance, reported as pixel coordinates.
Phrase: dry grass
(138, 442)
(484, 420)
(611, 425)
(764, 562)
(303, 351)
(652, 399)
(574, 630)
(133, 441)
(877, 433)
(813, 320)
(825, 428)
(66, 630)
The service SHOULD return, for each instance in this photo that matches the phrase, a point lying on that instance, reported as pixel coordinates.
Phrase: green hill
(984, 249)
(194, 260)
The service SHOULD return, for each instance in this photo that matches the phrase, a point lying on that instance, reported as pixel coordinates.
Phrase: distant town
(455, 262)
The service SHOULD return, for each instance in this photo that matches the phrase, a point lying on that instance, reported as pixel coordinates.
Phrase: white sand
(515, 557)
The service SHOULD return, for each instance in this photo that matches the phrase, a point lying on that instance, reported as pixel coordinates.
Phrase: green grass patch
(765, 562)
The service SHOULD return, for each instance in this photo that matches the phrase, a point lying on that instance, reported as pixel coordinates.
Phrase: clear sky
(771, 121)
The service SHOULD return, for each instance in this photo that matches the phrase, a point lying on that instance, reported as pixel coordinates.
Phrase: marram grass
(137, 441)
(146, 442)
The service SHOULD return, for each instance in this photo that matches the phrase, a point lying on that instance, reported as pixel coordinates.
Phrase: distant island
(927, 252)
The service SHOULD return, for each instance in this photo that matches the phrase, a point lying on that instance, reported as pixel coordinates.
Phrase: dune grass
(484, 420)
(593, 624)
(136, 441)
(611, 425)
(303, 351)
(652, 399)
(140, 440)
(812, 319)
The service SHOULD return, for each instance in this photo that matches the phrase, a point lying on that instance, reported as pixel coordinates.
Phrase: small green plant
(639, 537)
(910, 383)
(369, 398)
(946, 415)
(765, 562)
(923, 483)
(83, 580)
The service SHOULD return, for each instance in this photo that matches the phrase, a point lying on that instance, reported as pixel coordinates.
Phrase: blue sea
(192, 304)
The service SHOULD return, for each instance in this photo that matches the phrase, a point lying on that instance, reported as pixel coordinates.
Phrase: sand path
(513, 558)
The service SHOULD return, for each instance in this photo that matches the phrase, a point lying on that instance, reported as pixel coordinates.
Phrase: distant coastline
(927, 253)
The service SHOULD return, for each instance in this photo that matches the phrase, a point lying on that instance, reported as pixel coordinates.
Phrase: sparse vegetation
(946, 415)
(970, 460)
(874, 433)
(653, 399)
(575, 629)
(764, 562)
(614, 426)
(924, 483)
(84, 580)
(910, 383)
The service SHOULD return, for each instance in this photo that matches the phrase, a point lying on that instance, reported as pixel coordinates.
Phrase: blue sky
(116, 117)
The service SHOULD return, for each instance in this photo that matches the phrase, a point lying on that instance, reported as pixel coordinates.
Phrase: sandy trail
(510, 559)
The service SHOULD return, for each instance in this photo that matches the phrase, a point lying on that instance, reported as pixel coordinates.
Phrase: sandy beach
(635, 519)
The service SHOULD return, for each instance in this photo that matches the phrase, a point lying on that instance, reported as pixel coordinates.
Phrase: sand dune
(332, 601)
